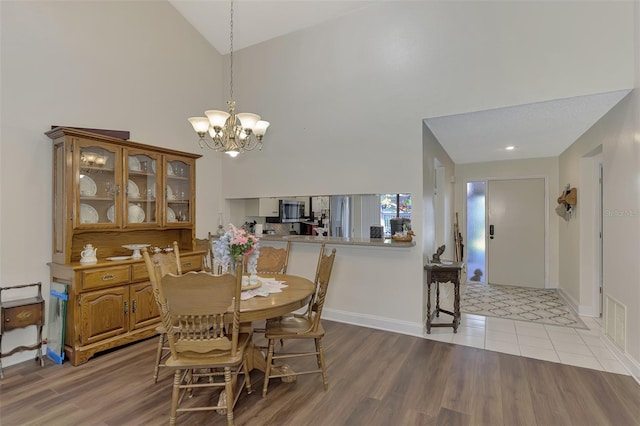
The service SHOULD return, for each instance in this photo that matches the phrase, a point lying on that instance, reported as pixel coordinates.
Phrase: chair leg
(156, 369)
(247, 377)
(321, 364)
(174, 397)
(267, 371)
(228, 386)
(189, 380)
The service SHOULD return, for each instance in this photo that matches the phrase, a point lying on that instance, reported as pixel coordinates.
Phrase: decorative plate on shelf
(169, 170)
(170, 195)
(134, 163)
(136, 214)
(87, 186)
(171, 215)
(111, 213)
(132, 189)
(88, 214)
(153, 165)
(116, 258)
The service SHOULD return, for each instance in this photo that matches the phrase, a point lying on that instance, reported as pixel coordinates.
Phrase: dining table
(294, 296)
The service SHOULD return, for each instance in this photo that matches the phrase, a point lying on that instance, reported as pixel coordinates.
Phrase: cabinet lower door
(104, 314)
(144, 309)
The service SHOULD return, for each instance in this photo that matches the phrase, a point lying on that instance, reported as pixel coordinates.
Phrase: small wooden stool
(19, 314)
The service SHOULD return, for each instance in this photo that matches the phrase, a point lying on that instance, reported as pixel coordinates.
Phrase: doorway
(506, 231)
(591, 234)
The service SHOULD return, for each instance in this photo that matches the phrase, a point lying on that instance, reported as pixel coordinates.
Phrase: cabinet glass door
(141, 188)
(98, 184)
(178, 192)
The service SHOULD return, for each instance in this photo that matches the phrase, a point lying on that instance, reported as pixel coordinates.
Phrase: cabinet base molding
(81, 354)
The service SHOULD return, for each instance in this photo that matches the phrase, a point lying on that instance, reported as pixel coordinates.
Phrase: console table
(437, 273)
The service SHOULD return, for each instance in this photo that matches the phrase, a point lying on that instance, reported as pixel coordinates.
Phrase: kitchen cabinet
(264, 207)
(111, 192)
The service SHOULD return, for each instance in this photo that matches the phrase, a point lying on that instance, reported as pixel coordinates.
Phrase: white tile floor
(565, 345)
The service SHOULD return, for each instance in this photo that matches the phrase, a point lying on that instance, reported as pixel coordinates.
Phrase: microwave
(289, 211)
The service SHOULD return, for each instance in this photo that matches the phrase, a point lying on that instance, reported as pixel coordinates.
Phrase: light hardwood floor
(375, 378)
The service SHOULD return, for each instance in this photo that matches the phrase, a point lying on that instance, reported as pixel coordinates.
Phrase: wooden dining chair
(205, 244)
(215, 269)
(305, 326)
(273, 260)
(169, 262)
(201, 313)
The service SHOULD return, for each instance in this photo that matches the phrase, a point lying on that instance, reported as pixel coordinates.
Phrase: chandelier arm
(209, 144)
(253, 144)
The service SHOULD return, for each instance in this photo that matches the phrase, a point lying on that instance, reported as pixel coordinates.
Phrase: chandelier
(230, 133)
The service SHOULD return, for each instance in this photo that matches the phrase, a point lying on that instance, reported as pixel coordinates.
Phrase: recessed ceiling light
(510, 148)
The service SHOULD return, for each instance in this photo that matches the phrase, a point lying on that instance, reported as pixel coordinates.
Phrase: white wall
(346, 100)
(134, 66)
(433, 238)
(618, 133)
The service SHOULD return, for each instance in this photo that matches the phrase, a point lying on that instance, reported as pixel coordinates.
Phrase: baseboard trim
(632, 366)
(372, 321)
(573, 304)
(585, 311)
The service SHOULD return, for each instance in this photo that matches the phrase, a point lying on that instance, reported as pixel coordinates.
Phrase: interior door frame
(486, 219)
(591, 219)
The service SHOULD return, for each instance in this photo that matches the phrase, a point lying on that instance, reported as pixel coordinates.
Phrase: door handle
(491, 232)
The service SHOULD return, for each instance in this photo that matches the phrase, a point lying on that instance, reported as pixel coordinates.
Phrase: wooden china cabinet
(109, 193)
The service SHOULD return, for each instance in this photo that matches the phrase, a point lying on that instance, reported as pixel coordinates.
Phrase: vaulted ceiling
(543, 129)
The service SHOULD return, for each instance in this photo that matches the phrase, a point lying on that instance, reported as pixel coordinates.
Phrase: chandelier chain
(231, 53)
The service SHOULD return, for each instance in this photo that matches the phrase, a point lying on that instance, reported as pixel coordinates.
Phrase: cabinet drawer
(105, 277)
(191, 263)
(22, 316)
(139, 272)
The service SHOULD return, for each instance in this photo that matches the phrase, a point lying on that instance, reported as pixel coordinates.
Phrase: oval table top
(293, 297)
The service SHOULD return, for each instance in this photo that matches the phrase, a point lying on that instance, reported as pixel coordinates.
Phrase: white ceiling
(258, 21)
(543, 129)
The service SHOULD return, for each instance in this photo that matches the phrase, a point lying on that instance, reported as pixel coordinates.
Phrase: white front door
(516, 232)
